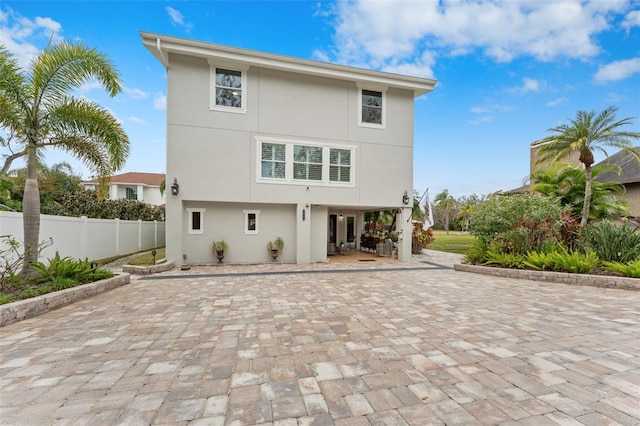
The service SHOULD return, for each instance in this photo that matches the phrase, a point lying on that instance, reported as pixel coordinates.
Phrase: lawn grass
(147, 259)
(453, 242)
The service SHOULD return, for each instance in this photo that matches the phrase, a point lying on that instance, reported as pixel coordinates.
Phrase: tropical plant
(277, 244)
(567, 183)
(39, 110)
(217, 246)
(477, 254)
(420, 237)
(612, 242)
(506, 260)
(57, 268)
(446, 203)
(629, 269)
(585, 134)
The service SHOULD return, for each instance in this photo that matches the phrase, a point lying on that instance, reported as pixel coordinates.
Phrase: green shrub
(629, 269)
(540, 261)
(519, 223)
(506, 260)
(612, 242)
(477, 254)
(58, 268)
(6, 298)
(575, 262)
(30, 292)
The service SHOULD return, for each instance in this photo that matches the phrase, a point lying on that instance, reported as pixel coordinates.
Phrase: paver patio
(378, 343)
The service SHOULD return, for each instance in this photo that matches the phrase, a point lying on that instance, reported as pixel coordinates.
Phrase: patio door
(333, 228)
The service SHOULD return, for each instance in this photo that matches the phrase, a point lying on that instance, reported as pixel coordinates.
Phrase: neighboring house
(264, 146)
(144, 187)
(630, 177)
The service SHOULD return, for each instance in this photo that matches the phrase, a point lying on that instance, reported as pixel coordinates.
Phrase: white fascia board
(160, 45)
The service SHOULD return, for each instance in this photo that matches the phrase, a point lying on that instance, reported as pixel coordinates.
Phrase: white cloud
(631, 20)
(529, 85)
(160, 101)
(135, 93)
(137, 120)
(380, 34)
(556, 102)
(18, 35)
(177, 18)
(618, 70)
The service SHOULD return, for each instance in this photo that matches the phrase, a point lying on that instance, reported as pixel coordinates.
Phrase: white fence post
(84, 237)
(117, 236)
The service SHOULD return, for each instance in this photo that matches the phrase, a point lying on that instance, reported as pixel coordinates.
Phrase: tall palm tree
(585, 134)
(567, 182)
(39, 110)
(446, 203)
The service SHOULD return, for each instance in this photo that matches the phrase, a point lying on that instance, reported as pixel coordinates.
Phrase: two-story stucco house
(144, 187)
(261, 146)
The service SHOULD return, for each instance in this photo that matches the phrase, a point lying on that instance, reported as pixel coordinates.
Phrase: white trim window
(307, 162)
(130, 194)
(196, 221)
(339, 165)
(372, 107)
(228, 88)
(304, 162)
(273, 160)
(251, 222)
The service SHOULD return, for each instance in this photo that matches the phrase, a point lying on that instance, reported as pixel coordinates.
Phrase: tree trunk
(31, 211)
(587, 196)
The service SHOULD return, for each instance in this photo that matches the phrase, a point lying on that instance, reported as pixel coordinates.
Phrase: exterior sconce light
(340, 217)
(175, 188)
(405, 198)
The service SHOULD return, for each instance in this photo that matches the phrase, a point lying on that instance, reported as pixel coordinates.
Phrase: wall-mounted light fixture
(340, 216)
(175, 188)
(405, 198)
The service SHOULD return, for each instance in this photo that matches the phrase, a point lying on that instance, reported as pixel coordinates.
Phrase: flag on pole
(428, 221)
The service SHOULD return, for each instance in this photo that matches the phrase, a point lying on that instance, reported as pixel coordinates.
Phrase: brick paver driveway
(378, 343)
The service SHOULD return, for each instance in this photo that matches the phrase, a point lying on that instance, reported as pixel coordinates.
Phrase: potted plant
(275, 247)
(219, 248)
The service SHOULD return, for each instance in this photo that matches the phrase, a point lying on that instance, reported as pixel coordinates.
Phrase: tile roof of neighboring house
(629, 165)
(137, 178)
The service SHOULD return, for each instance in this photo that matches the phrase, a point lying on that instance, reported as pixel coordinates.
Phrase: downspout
(159, 48)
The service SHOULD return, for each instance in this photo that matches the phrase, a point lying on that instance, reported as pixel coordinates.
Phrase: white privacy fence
(82, 237)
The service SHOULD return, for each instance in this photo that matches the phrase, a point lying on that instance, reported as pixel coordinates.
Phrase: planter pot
(220, 255)
(274, 254)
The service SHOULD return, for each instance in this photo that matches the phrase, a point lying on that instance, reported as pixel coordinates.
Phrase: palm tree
(585, 134)
(567, 182)
(446, 203)
(39, 110)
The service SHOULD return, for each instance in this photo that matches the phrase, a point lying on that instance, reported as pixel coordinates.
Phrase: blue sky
(507, 70)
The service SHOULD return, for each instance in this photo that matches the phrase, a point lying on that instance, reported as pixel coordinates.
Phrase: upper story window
(372, 106)
(229, 88)
(130, 194)
(288, 161)
(307, 162)
(273, 160)
(339, 165)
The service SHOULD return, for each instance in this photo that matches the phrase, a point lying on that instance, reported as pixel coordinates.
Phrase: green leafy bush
(612, 242)
(519, 223)
(6, 298)
(629, 269)
(506, 260)
(477, 254)
(575, 262)
(59, 268)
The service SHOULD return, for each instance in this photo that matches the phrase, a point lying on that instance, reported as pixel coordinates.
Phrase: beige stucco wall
(213, 155)
(632, 197)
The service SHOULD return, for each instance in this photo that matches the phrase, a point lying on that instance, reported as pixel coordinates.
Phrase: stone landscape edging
(604, 281)
(29, 308)
(148, 270)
